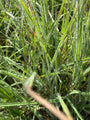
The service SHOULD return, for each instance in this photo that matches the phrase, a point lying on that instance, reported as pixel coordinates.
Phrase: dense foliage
(50, 37)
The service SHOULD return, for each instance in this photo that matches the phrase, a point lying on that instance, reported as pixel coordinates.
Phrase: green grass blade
(76, 111)
(27, 11)
(29, 81)
(64, 106)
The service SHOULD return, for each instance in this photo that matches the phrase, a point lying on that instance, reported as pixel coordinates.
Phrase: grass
(52, 39)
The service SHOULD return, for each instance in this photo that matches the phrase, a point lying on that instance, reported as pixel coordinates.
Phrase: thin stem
(47, 105)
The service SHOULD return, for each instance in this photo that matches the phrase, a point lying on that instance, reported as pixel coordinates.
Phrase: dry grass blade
(47, 105)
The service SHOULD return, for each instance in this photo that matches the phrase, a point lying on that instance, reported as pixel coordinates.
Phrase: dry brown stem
(47, 105)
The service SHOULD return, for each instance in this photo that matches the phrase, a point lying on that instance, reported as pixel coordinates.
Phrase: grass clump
(52, 39)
